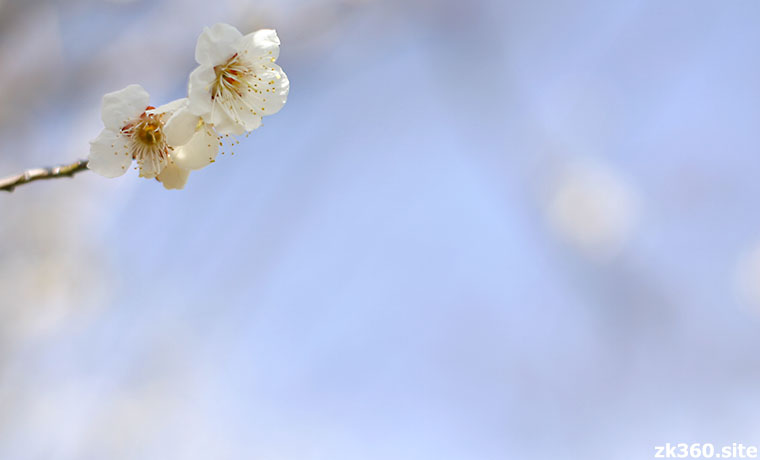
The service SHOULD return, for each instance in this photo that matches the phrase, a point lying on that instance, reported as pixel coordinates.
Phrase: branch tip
(8, 184)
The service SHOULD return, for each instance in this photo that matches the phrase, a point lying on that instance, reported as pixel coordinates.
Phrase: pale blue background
(373, 274)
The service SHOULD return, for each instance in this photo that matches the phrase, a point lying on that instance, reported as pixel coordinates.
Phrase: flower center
(230, 77)
(149, 146)
(149, 131)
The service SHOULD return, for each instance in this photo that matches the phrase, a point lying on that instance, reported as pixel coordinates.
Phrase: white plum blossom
(193, 145)
(237, 81)
(166, 142)
(235, 85)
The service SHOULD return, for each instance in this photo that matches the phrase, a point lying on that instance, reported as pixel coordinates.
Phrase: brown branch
(31, 175)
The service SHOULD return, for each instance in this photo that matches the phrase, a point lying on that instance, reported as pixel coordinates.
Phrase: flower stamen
(149, 148)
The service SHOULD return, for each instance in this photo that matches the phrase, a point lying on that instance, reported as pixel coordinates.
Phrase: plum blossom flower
(237, 81)
(166, 142)
(193, 143)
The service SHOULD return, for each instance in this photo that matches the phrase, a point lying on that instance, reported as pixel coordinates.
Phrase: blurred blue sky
(481, 230)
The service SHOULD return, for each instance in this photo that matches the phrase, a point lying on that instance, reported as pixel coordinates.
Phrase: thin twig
(31, 175)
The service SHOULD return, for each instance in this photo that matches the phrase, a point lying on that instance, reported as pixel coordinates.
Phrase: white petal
(199, 152)
(251, 122)
(173, 177)
(180, 127)
(119, 107)
(235, 117)
(262, 44)
(199, 90)
(109, 154)
(149, 170)
(170, 107)
(224, 125)
(272, 91)
(217, 44)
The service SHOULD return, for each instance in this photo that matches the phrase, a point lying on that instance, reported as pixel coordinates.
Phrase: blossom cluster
(235, 84)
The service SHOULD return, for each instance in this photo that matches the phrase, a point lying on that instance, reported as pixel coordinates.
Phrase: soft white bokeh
(593, 209)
